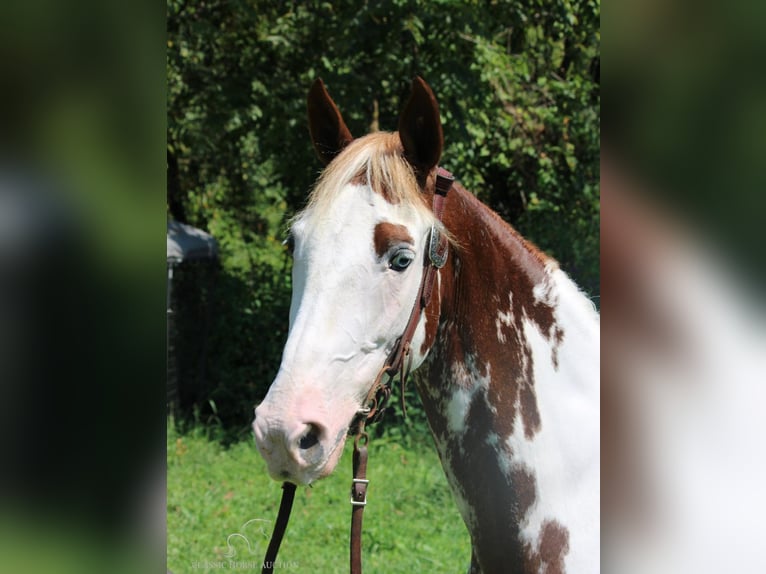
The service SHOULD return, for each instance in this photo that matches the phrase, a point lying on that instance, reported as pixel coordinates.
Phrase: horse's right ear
(329, 133)
(420, 129)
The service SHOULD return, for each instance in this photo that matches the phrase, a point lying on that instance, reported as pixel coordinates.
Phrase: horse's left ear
(329, 133)
(420, 128)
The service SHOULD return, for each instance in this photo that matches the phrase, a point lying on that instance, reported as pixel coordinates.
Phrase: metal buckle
(359, 481)
(437, 259)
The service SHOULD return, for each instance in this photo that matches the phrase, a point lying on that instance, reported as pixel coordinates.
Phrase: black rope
(285, 506)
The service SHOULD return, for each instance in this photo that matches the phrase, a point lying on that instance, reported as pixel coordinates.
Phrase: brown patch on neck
(499, 499)
(495, 261)
(525, 485)
(464, 329)
(386, 235)
(549, 555)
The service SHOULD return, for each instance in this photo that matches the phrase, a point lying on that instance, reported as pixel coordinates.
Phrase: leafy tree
(518, 88)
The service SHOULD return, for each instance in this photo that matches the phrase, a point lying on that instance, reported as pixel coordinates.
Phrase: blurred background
(682, 256)
(82, 285)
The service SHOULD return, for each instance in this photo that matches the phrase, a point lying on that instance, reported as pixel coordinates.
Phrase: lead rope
(373, 408)
(285, 506)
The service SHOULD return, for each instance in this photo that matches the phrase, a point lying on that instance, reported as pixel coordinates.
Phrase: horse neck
(511, 397)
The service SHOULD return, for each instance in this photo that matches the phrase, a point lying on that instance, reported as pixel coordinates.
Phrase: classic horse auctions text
(241, 564)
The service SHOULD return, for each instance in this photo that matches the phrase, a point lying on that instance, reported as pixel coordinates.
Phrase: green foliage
(518, 89)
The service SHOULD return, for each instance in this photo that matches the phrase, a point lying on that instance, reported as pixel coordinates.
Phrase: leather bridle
(398, 361)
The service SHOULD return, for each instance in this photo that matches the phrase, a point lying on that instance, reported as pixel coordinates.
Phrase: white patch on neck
(457, 409)
(541, 292)
(564, 454)
(504, 319)
(469, 382)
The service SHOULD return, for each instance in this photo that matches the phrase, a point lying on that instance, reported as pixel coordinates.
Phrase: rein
(398, 361)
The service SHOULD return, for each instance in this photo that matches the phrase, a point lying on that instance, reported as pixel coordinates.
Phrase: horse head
(358, 251)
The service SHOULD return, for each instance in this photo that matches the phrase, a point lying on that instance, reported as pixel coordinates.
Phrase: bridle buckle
(356, 481)
(438, 248)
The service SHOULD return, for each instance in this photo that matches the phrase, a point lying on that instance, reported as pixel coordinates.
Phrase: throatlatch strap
(358, 502)
(444, 181)
(285, 506)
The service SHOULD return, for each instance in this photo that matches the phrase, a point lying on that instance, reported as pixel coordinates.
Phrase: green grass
(410, 523)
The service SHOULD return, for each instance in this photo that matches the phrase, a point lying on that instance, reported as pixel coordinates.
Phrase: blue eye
(401, 260)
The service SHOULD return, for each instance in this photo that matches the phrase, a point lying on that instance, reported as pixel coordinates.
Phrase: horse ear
(420, 128)
(329, 133)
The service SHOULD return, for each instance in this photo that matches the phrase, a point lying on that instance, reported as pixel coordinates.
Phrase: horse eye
(401, 260)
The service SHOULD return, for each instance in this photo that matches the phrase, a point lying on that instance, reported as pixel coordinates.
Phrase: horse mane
(377, 160)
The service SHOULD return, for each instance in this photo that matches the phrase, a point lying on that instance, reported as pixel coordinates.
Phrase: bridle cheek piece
(398, 362)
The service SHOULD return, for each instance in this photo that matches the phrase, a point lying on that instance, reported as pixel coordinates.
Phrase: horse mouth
(332, 458)
(323, 469)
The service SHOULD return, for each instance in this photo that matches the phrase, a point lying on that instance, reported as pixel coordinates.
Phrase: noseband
(398, 361)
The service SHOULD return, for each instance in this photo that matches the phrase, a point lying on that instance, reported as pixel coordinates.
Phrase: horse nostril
(310, 438)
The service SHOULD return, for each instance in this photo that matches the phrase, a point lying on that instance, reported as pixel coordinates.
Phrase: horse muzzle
(299, 452)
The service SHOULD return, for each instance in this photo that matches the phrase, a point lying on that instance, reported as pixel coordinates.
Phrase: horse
(508, 343)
